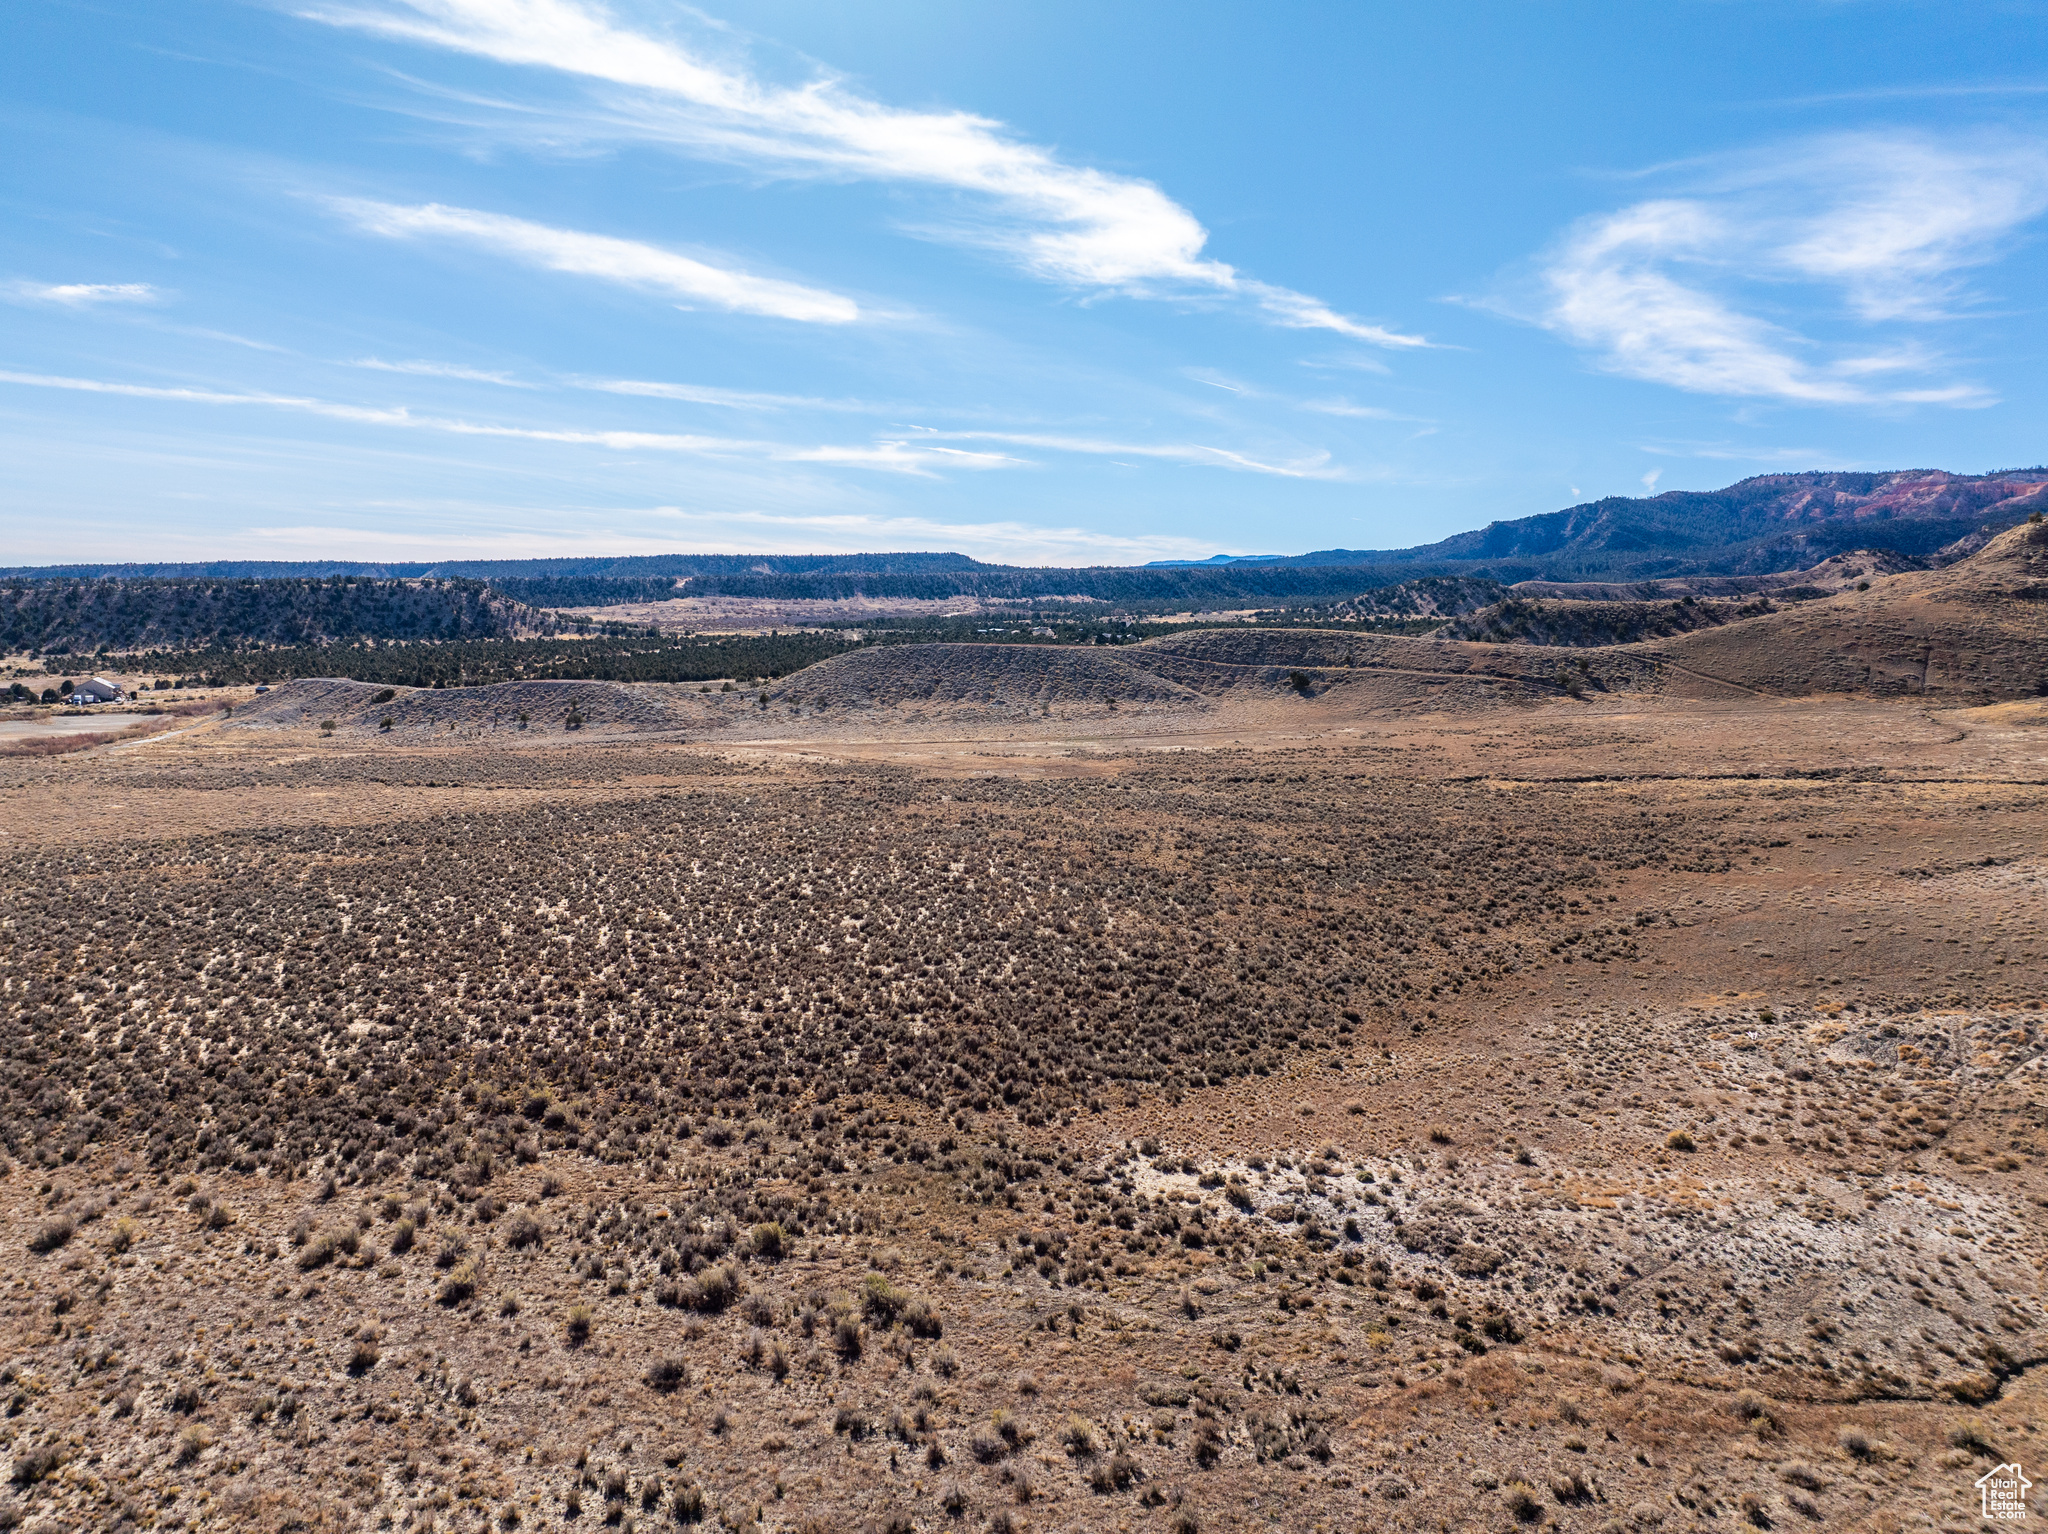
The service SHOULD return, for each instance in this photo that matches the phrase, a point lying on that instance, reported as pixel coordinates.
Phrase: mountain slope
(1756, 526)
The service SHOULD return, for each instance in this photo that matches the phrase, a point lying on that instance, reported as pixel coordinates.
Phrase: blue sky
(1045, 282)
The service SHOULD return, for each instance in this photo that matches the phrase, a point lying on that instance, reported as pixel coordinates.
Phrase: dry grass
(399, 1139)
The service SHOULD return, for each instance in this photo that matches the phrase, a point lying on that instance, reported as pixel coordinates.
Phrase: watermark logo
(2005, 1494)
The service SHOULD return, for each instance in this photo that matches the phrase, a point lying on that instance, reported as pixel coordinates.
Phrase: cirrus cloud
(1064, 223)
(603, 256)
(922, 454)
(1315, 466)
(896, 456)
(82, 295)
(455, 370)
(1868, 233)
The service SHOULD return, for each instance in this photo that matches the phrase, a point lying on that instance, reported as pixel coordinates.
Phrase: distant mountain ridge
(1758, 526)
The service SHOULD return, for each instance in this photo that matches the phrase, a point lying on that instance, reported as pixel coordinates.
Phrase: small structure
(98, 690)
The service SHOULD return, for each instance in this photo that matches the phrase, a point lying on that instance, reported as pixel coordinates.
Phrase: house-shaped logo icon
(2005, 1494)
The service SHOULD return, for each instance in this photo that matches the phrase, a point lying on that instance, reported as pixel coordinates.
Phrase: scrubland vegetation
(1609, 1113)
(1004, 949)
(601, 656)
(770, 1150)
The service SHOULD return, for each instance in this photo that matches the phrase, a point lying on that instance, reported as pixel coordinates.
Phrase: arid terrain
(1256, 1079)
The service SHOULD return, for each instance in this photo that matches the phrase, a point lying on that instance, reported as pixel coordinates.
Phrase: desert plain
(1251, 1080)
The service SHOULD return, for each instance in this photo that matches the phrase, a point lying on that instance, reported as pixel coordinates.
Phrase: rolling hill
(1977, 629)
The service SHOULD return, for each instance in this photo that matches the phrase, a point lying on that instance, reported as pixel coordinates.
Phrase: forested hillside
(475, 663)
(84, 617)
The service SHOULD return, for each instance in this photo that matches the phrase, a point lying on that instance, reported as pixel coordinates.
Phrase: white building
(98, 690)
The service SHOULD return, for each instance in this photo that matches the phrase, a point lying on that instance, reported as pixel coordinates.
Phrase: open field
(986, 1087)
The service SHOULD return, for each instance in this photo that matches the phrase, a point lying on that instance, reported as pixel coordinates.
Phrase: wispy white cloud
(1609, 289)
(891, 456)
(1344, 407)
(228, 336)
(1314, 466)
(1064, 223)
(1350, 362)
(1911, 93)
(730, 399)
(605, 257)
(1907, 217)
(1732, 452)
(1317, 466)
(83, 295)
(1297, 311)
(148, 391)
(317, 540)
(1887, 227)
(1334, 406)
(442, 370)
(924, 454)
